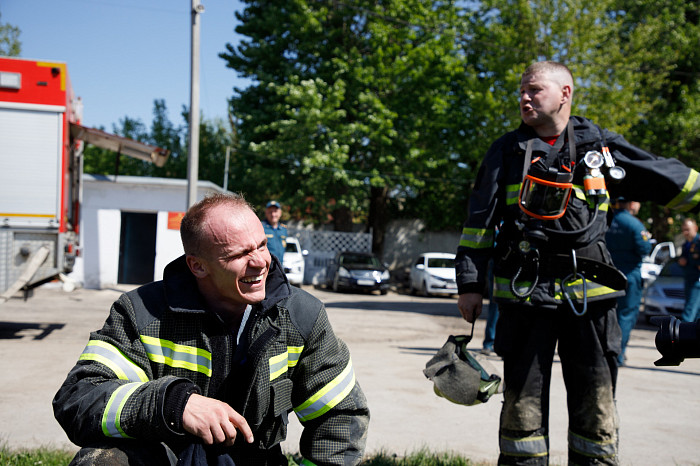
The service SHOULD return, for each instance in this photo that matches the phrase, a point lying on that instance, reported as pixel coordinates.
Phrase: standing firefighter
(554, 279)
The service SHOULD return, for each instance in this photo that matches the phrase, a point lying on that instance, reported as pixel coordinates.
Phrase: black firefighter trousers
(526, 338)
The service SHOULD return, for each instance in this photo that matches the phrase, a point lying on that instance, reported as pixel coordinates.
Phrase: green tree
(10, 44)
(351, 102)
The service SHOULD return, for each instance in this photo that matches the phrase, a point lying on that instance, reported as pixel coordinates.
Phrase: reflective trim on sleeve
(531, 447)
(110, 356)
(282, 362)
(328, 397)
(111, 418)
(476, 238)
(174, 355)
(592, 448)
(512, 193)
(689, 195)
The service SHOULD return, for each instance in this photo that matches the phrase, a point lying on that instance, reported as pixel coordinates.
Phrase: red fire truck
(41, 143)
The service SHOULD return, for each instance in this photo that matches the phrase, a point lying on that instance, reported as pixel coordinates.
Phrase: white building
(129, 228)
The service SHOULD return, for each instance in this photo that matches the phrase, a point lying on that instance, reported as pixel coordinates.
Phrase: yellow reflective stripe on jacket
(512, 193)
(110, 356)
(524, 447)
(328, 397)
(476, 238)
(280, 363)
(580, 193)
(689, 195)
(592, 448)
(174, 355)
(574, 288)
(111, 418)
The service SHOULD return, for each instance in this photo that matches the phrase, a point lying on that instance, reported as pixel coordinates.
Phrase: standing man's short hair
(558, 72)
(192, 225)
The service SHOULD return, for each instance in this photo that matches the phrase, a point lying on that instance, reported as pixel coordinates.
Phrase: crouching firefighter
(545, 185)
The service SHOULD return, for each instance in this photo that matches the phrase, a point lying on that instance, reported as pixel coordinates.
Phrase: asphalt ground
(391, 338)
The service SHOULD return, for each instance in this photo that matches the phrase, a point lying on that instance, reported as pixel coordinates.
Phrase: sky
(121, 55)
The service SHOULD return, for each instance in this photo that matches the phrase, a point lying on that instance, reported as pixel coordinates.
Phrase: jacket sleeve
(665, 181)
(476, 244)
(110, 393)
(328, 400)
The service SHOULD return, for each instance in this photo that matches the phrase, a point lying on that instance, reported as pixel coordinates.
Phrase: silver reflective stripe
(110, 356)
(278, 365)
(174, 355)
(111, 418)
(328, 397)
(592, 448)
(512, 194)
(528, 446)
(689, 195)
(476, 238)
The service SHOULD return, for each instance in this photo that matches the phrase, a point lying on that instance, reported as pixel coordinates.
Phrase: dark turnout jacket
(160, 344)
(494, 205)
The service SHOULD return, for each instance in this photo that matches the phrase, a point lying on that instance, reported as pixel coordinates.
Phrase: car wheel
(383, 292)
(335, 283)
(425, 289)
(412, 290)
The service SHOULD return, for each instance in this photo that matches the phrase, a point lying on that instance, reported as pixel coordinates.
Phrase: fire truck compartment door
(30, 178)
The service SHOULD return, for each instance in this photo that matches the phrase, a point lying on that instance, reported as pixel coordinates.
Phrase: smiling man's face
(236, 261)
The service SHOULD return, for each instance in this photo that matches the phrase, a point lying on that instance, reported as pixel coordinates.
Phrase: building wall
(104, 200)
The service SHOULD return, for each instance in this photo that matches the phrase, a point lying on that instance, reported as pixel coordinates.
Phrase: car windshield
(672, 269)
(291, 247)
(359, 259)
(441, 263)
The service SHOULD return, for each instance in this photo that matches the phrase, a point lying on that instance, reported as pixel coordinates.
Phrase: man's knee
(125, 454)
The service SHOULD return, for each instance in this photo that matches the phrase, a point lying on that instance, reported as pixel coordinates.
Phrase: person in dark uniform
(628, 243)
(545, 185)
(690, 261)
(275, 231)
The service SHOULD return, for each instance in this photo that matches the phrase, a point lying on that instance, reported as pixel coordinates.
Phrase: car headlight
(343, 272)
(385, 275)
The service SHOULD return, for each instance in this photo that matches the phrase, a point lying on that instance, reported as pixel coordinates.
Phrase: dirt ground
(391, 338)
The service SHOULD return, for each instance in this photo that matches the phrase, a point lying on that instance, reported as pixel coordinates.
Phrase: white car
(433, 273)
(652, 264)
(293, 261)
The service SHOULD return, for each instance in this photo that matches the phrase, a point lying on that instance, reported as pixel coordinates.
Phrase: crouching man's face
(236, 260)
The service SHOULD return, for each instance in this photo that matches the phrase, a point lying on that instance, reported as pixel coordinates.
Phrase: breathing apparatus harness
(544, 195)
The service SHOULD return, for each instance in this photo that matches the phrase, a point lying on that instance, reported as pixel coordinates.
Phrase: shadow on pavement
(18, 330)
(448, 309)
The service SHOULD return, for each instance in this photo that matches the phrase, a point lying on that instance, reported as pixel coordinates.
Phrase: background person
(550, 222)
(628, 243)
(690, 261)
(275, 231)
(217, 353)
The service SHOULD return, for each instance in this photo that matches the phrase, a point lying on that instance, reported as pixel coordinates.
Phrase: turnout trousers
(588, 347)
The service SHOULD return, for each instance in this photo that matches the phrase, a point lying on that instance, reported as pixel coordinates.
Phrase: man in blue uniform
(275, 231)
(690, 261)
(628, 243)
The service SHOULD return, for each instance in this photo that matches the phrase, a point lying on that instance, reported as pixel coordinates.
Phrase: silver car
(433, 273)
(665, 295)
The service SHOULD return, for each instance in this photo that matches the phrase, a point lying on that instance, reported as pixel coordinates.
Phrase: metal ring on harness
(529, 291)
(564, 287)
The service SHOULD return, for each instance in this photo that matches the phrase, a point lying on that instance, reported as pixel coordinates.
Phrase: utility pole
(193, 155)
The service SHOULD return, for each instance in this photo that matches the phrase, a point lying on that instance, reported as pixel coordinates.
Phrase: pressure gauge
(593, 159)
(616, 173)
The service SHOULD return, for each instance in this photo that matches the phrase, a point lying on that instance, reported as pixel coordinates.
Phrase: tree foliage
(10, 45)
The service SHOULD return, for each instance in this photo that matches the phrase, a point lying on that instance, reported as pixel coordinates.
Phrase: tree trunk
(378, 217)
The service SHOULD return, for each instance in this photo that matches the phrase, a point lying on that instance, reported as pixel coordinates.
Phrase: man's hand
(470, 306)
(214, 421)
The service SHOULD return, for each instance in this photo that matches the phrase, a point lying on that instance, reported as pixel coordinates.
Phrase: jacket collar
(182, 293)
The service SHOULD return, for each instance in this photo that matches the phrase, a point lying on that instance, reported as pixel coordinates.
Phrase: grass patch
(38, 456)
(54, 457)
